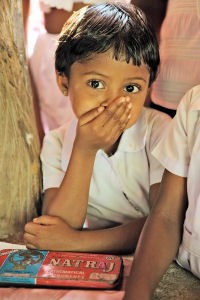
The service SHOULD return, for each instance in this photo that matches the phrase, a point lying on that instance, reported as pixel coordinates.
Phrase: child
(174, 224)
(101, 167)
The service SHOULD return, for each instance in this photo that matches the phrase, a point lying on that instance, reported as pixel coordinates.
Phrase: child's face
(104, 79)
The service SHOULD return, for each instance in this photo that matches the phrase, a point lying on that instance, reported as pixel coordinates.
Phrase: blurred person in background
(179, 54)
(155, 11)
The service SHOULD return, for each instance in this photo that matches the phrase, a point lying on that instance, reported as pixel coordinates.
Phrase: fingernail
(122, 100)
(127, 99)
(100, 109)
(35, 219)
(105, 103)
(129, 105)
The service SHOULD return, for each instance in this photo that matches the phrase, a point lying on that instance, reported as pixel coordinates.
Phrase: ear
(62, 82)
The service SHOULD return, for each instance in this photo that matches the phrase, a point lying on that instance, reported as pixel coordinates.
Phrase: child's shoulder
(191, 99)
(153, 115)
(156, 122)
(57, 135)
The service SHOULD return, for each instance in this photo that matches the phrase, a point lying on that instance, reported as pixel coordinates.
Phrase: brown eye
(132, 88)
(96, 84)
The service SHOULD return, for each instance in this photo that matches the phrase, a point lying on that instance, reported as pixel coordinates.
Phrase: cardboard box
(60, 269)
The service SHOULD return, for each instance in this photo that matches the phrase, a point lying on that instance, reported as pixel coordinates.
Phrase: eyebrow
(136, 78)
(103, 75)
(95, 73)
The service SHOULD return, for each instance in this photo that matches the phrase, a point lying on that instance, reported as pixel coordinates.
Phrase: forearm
(71, 200)
(160, 238)
(156, 249)
(119, 239)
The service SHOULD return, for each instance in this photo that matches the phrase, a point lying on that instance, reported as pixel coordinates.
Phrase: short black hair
(97, 28)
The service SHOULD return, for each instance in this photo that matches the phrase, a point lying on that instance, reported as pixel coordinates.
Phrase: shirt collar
(194, 95)
(133, 139)
(68, 142)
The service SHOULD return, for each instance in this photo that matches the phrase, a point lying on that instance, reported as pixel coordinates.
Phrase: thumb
(45, 220)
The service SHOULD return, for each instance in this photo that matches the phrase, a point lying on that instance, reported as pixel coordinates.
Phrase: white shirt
(179, 53)
(119, 189)
(179, 152)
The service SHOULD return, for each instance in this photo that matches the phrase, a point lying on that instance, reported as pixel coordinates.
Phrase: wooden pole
(20, 179)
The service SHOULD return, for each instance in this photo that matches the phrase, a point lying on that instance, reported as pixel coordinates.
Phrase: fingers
(33, 234)
(116, 117)
(45, 220)
(30, 246)
(115, 105)
(30, 236)
(89, 116)
(34, 227)
(105, 126)
(39, 231)
(31, 241)
(31, 228)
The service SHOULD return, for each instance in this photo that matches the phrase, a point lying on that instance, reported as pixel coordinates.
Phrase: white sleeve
(172, 151)
(158, 124)
(51, 160)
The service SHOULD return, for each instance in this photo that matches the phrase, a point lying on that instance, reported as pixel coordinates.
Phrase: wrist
(84, 150)
(77, 241)
(137, 289)
(137, 293)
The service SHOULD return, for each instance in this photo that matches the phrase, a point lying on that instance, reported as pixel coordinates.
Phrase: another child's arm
(160, 238)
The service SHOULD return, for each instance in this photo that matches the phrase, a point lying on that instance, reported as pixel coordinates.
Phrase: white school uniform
(179, 152)
(119, 188)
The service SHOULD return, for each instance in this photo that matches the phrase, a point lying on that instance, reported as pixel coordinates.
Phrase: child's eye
(131, 88)
(96, 84)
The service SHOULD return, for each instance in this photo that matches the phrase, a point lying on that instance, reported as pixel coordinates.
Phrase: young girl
(101, 167)
(174, 223)
(54, 108)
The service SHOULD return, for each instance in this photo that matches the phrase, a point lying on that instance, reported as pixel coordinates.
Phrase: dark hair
(97, 28)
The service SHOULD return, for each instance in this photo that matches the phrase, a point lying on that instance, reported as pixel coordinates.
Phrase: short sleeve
(172, 151)
(157, 125)
(51, 160)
